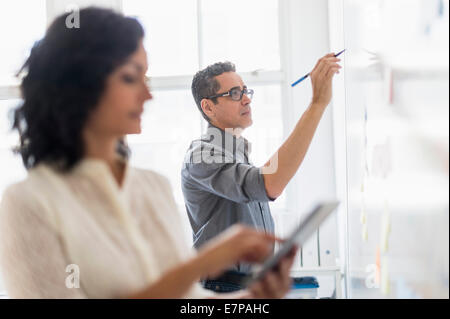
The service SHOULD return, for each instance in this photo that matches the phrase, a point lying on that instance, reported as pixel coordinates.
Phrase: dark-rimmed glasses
(235, 93)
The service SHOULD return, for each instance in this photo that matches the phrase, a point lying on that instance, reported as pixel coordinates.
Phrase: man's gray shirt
(222, 188)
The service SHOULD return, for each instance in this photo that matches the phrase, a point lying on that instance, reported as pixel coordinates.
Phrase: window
(165, 139)
(16, 40)
(15, 170)
(16, 44)
(266, 135)
(179, 45)
(171, 35)
(244, 32)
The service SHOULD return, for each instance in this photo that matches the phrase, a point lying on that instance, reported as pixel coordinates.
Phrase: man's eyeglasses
(236, 94)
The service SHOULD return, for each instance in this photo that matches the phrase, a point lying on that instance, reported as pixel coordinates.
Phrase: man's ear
(207, 108)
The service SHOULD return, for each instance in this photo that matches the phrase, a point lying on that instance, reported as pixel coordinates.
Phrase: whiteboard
(391, 111)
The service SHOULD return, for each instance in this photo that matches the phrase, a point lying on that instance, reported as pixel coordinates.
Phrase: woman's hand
(276, 283)
(241, 244)
(238, 244)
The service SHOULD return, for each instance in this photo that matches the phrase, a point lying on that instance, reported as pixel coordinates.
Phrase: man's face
(228, 113)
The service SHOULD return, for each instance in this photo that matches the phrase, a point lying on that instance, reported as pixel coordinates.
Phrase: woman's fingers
(267, 288)
(277, 283)
(257, 290)
(272, 286)
(257, 245)
(240, 244)
(252, 246)
(245, 245)
(291, 255)
(272, 238)
(285, 270)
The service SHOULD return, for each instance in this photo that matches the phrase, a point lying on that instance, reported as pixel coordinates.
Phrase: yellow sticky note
(385, 232)
(365, 233)
(385, 281)
(363, 218)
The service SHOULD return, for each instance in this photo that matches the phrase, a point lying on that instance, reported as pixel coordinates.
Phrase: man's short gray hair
(205, 84)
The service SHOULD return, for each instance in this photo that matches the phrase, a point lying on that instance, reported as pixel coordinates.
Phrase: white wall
(391, 138)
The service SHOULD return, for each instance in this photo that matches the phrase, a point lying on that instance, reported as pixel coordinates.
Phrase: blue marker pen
(307, 75)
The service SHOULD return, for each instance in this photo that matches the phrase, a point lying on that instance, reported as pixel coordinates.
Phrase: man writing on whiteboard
(220, 185)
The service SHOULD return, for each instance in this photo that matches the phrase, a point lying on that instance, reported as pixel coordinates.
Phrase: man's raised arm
(283, 165)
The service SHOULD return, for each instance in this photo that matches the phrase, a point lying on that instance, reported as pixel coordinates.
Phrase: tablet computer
(309, 224)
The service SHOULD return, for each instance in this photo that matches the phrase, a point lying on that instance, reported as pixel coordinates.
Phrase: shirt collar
(227, 141)
(97, 168)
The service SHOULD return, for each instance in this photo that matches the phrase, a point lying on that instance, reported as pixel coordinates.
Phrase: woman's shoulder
(25, 196)
(21, 188)
(151, 177)
(29, 189)
(16, 190)
(153, 185)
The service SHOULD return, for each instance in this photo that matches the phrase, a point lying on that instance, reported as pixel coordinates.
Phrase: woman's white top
(80, 229)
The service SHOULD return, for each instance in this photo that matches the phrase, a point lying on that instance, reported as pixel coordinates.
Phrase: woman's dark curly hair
(65, 78)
